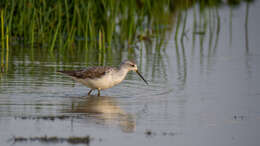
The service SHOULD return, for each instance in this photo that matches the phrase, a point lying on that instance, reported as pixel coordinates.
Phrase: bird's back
(91, 73)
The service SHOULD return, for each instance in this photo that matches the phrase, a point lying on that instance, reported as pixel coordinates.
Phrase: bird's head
(131, 66)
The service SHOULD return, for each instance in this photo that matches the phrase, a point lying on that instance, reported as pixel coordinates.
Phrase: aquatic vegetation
(49, 117)
(94, 24)
(150, 133)
(53, 139)
(98, 30)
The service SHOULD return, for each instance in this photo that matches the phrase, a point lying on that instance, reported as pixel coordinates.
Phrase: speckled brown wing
(92, 72)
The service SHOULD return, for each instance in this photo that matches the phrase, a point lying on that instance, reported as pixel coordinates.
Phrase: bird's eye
(132, 65)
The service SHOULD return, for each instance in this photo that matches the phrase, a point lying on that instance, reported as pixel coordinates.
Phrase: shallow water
(201, 96)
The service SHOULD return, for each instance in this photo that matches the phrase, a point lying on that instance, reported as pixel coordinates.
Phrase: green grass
(72, 22)
(98, 28)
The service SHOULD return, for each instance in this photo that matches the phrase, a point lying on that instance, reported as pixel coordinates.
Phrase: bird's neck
(120, 74)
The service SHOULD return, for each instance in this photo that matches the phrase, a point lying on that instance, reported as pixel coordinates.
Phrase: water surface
(203, 90)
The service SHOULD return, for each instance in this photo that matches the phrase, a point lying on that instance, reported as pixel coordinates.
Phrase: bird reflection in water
(104, 110)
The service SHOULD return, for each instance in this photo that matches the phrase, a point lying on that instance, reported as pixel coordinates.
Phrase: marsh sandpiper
(103, 77)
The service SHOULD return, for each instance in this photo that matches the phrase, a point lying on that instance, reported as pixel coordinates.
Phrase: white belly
(98, 83)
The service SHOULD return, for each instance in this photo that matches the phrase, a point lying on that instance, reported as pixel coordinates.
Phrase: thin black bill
(141, 77)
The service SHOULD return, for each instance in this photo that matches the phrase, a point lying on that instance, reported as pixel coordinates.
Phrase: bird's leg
(90, 91)
(98, 92)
